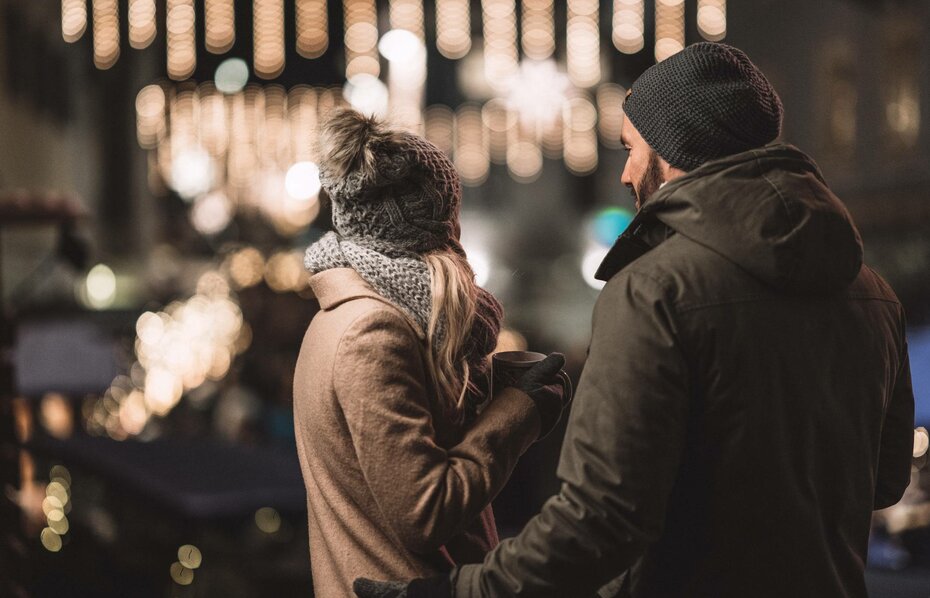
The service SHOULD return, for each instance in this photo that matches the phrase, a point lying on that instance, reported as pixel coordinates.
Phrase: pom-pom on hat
(388, 185)
(703, 103)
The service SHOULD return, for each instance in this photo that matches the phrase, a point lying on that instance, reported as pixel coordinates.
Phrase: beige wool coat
(393, 492)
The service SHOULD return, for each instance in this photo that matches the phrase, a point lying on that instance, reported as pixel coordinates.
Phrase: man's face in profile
(643, 171)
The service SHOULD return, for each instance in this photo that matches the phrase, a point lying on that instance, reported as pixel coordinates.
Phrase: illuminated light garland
(220, 25)
(670, 28)
(181, 44)
(583, 47)
(610, 98)
(312, 28)
(629, 26)
(268, 37)
(580, 135)
(712, 19)
(471, 147)
(453, 28)
(73, 19)
(537, 36)
(106, 33)
(142, 28)
(361, 37)
(500, 40)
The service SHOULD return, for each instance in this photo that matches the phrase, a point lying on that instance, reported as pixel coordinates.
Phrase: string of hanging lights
(226, 146)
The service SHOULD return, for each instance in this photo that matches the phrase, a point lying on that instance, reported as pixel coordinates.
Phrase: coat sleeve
(426, 493)
(619, 459)
(897, 443)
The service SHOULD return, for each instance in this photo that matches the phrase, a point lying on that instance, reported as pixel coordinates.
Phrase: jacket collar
(336, 286)
(643, 233)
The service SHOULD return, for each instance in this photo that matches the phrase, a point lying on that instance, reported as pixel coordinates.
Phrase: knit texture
(402, 277)
(399, 276)
(703, 103)
(411, 200)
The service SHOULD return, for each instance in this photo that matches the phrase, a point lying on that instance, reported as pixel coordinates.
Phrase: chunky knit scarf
(402, 277)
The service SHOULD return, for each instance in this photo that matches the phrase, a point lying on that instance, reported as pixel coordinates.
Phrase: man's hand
(433, 587)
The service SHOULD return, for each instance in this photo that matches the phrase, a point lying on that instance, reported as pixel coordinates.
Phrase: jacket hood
(769, 211)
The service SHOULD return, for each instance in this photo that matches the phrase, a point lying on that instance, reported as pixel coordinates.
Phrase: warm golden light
(190, 556)
(360, 19)
(408, 15)
(537, 35)
(285, 272)
(106, 33)
(712, 19)
(50, 540)
(181, 574)
(453, 28)
(500, 40)
(56, 415)
(142, 26)
(471, 146)
(312, 28)
(583, 46)
(670, 28)
(73, 19)
(268, 520)
(219, 25)
(268, 33)
(610, 98)
(245, 267)
(440, 127)
(150, 116)
(181, 42)
(628, 25)
(498, 121)
(580, 135)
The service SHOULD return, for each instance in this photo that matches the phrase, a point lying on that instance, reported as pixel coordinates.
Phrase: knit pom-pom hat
(389, 186)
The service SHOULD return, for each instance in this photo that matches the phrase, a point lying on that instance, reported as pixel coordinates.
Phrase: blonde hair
(455, 298)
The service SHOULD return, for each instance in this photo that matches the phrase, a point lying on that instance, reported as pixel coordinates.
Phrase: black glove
(432, 587)
(549, 388)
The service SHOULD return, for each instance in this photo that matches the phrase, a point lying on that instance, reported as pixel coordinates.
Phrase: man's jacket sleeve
(897, 444)
(619, 459)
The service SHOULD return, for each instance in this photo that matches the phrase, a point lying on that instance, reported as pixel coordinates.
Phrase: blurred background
(159, 184)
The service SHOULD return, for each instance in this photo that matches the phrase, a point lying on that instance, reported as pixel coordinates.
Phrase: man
(746, 402)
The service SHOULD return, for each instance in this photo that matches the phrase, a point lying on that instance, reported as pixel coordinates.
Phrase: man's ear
(669, 172)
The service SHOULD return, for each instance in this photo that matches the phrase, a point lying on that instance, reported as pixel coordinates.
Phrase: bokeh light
(181, 575)
(100, 287)
(192, 172)
(219, 25)
(211, 213)
(590, 262)
(367, 94)
(73, 19)
(312, 28)
(231, 75)
(302, 181)
(608, 224)
(190, 556)
(268, 520)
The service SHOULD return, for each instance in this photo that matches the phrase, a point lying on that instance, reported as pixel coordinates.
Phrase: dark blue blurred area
(919, 351)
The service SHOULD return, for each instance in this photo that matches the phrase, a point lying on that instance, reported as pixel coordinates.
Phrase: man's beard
(651, 181)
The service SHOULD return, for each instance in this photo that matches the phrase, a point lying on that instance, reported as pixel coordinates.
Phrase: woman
(399, 466)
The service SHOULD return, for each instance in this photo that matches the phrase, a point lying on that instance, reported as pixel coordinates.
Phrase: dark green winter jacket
(745, 405)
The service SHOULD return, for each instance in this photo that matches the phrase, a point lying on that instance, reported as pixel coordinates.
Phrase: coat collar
(336, 286)
(643, 233)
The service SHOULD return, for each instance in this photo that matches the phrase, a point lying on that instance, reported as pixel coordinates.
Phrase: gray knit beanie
(388, 185)
(705, 102)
